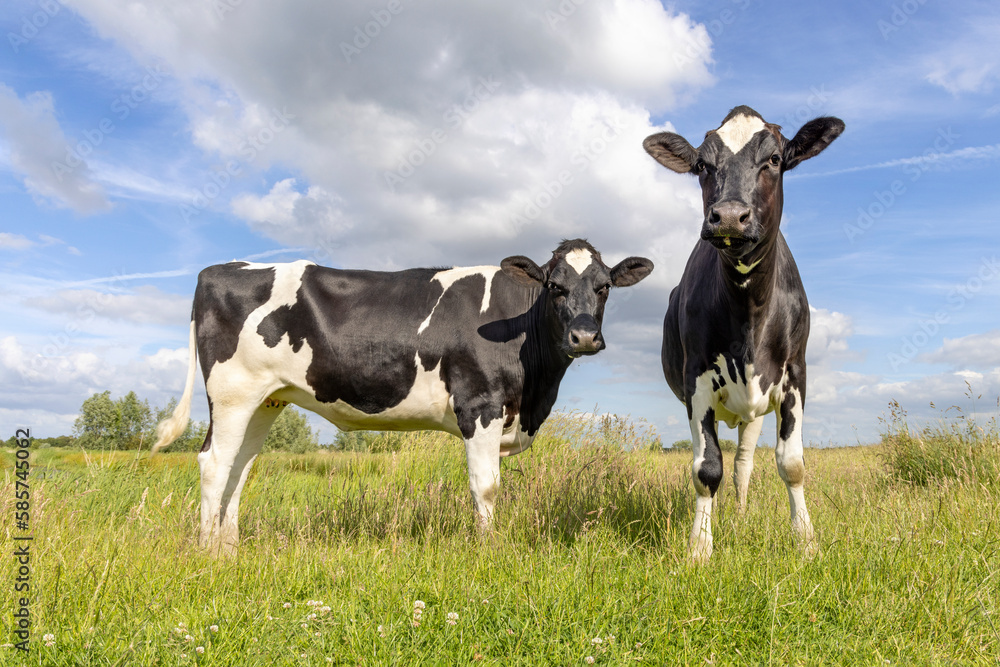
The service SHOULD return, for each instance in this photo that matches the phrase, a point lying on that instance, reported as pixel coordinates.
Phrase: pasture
(587, 562)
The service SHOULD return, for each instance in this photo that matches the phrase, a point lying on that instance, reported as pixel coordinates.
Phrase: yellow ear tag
(728, 242)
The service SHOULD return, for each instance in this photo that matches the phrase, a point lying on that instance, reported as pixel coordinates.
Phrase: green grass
(590, 542)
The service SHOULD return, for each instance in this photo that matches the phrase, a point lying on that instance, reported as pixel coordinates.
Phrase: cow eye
(552, 287)
(604, 288)
(775, 159)
(699, 166)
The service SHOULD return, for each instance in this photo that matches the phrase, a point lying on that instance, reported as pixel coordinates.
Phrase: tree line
(130, 423)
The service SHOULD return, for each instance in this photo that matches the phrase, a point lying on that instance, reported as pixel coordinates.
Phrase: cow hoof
(700, 551)
(810, 549)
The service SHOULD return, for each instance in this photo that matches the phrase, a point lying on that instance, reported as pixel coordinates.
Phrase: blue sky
(141, 143)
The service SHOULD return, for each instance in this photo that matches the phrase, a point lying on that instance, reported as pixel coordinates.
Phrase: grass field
(587, 561)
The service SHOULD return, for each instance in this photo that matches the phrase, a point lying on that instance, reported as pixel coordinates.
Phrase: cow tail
(173, 426)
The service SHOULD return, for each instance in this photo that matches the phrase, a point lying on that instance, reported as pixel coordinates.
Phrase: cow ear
(523, 270)
(672, 151)
(630, 270)
(811, 139)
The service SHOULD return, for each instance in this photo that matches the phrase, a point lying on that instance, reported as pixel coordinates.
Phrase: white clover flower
(49, 637)
(419, 604)
(287, 605)
(381, 631)
(324, 609)
(305, 626)
(199, 650)
(213, 628)
(589, 660)
(184, 656)
(188, 638)
(270, 618)
(596, 641)
(452, 618)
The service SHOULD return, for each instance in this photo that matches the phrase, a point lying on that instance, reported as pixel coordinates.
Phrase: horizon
(138, 147)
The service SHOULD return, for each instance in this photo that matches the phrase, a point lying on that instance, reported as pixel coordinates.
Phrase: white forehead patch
(579, 259)
(738, 131)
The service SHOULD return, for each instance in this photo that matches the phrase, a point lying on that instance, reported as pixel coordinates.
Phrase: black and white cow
(477, 352)
(734, 337)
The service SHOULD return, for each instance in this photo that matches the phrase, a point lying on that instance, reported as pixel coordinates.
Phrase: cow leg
(482, 454)
(743, 463)
(253, 441)
(706, 473)
(791, 466)
(229, 428)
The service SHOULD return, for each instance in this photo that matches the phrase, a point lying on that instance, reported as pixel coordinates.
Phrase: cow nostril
(573, 338)
(744, 217)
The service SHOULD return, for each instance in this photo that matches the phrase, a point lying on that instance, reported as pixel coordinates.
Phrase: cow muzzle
(584, 337)
(729, 227)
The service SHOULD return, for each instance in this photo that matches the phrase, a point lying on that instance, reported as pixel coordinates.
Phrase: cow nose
(585, 337)
(729, 218)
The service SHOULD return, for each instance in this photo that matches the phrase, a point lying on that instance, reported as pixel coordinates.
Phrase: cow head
(740, 167)
(576, 283)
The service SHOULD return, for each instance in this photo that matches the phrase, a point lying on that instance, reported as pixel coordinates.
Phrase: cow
(734, 336)
(477, 352)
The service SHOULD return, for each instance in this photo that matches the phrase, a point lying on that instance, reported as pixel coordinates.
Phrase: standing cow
(734, 337)
(477, 352)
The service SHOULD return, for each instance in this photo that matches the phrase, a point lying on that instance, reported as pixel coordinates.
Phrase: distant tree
(106, 424)
(96, 426)
(190, 440)
(291, 433)
(725, 444)
(368, 441)
(135, 421)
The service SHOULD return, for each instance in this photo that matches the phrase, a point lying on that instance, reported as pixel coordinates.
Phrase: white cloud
(492, 100)
(969, 65)
(977, 351)
(38, 150)
(146, 304)
(10, 241)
